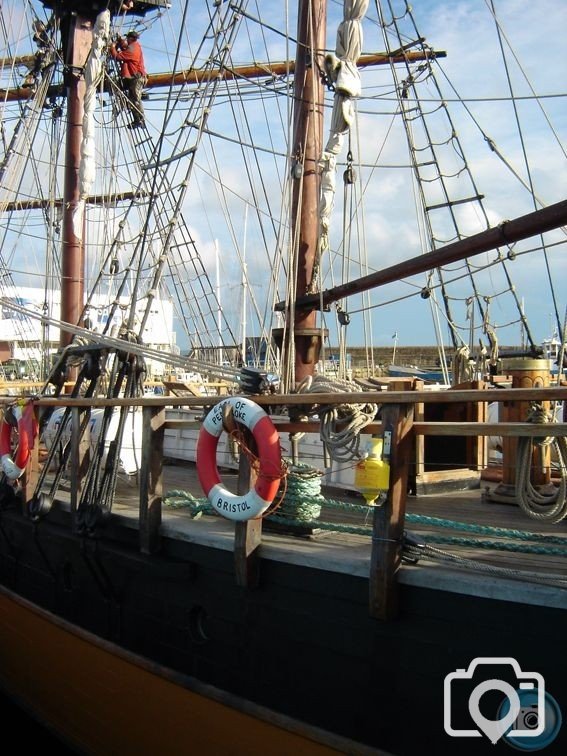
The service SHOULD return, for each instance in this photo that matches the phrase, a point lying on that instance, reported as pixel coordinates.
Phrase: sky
(476, 88)
(472, 70)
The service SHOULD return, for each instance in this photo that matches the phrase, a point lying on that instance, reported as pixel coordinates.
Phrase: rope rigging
(161, 192)
(527, 167)
(414, 116)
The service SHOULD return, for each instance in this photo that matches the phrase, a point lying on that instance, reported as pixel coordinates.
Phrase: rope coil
(540, 504)
(301, 499)
(342, 424)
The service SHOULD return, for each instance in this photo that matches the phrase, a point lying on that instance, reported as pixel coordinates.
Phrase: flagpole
(395, 337)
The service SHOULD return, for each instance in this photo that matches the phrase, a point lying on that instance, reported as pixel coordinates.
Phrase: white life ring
(256, 501)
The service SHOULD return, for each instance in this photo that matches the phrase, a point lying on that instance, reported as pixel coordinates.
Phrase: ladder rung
(455, 202)
(171, 159)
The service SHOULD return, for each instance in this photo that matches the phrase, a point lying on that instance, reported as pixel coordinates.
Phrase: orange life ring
(14, 466)
(256, 501)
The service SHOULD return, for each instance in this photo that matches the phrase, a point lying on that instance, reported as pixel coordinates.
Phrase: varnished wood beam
(389, 519)
(151, 478)
(249, 71)
(93, 199)
(506, 233)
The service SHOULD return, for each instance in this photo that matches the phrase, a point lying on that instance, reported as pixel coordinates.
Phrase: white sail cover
(342, 71)
(94, 70)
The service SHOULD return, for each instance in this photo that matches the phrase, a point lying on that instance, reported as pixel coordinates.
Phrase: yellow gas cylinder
(372, 474)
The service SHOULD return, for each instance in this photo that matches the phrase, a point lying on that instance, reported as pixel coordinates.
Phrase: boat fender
(22, 417)
(257, 500)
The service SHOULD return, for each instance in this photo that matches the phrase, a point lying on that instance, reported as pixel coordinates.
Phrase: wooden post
(151, 479)
(247, 534)
(477, 447)
(389, 518)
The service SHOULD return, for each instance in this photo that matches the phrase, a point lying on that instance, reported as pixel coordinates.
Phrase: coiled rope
(301, 500)
(547, 507)
(341, 424)
(463, 368)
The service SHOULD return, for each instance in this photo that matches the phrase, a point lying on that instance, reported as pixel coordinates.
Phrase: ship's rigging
(156, 179)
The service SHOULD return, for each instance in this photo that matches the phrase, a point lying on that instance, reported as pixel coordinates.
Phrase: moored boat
(135, 618)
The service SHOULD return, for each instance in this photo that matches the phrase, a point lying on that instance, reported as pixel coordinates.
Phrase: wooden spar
(249, 71)
(77, 38)
(508, 232)
(306, 152)
(18, 60)
(93, 199)
(271, 70)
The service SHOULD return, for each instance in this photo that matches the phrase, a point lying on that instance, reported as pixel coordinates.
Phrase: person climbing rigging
(128, 52)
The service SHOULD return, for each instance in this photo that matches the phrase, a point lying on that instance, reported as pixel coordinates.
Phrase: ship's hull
(302, 644)
(99, 698)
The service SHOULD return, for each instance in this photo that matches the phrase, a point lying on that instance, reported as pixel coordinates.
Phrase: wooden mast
(307, 145)
(77, 19)
(77, 40)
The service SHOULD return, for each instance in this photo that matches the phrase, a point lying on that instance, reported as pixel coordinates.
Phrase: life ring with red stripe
(256, 501)
(23, 417)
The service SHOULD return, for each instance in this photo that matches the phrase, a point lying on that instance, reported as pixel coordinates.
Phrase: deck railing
(397, 416)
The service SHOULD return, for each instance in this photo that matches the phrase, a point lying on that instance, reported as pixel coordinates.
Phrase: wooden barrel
(525, 373)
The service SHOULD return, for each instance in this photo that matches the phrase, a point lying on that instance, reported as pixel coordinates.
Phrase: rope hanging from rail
(536, 502)
(341, 424)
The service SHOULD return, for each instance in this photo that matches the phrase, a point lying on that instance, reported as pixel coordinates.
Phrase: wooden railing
(397, 416)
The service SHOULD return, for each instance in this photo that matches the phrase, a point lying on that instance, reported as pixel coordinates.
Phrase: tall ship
(217, 533)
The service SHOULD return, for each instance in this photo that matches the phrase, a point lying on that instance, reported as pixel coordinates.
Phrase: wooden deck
(471, 506)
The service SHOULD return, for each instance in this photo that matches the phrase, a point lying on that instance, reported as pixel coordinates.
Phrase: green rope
(302, 499)
(432, 538)
(333, 526)
(441, 522)
(302, 504)
(347, 505)
(185, 500)
(522, 535)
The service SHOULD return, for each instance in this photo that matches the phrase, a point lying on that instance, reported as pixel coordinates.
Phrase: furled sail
(343, 73)
(94, 70)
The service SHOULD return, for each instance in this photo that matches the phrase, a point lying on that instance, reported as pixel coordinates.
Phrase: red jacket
(131, 59)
